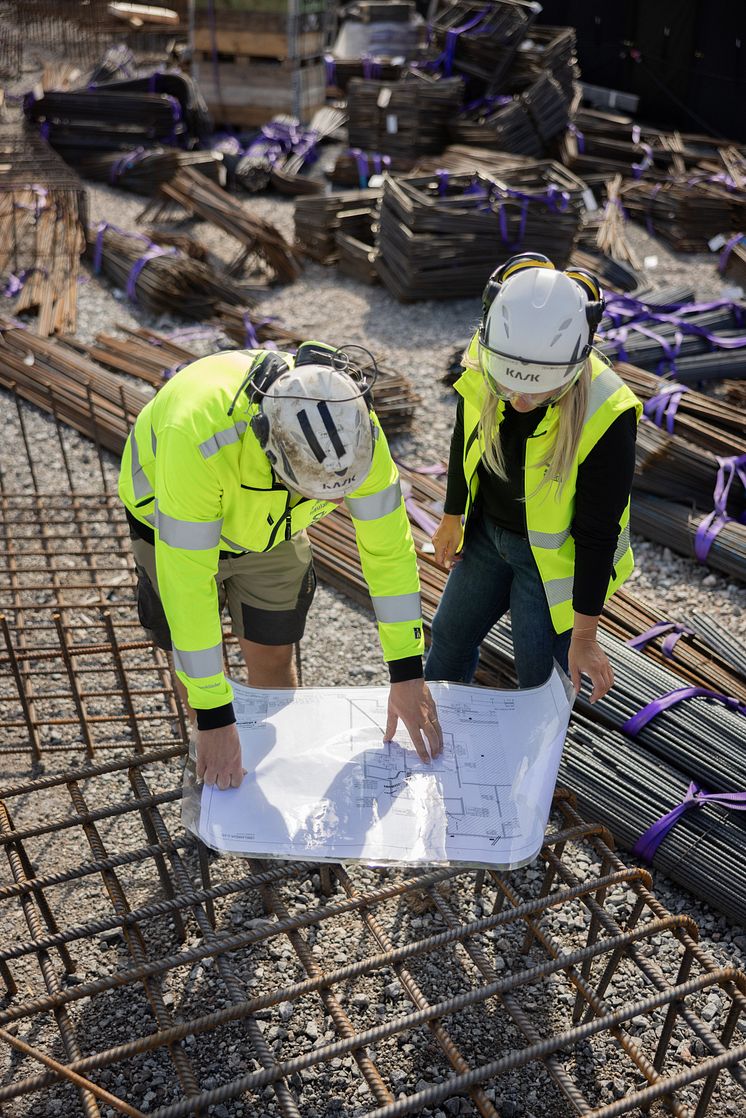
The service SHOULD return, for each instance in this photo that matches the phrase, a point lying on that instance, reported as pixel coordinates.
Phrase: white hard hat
(319, 435)
(536, 334)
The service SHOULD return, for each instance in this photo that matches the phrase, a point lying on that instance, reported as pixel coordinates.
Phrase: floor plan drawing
(323, 784)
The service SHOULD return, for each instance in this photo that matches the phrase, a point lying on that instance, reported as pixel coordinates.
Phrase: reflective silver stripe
(397, 607)
(200, 664)
(232, 545)
(190, 535)
(550, 540)
(622, 543)
(602, 389)
(222, 438)
(150, 518)
(377, 505)
(559, 590)
(141, 487)
(153, 440)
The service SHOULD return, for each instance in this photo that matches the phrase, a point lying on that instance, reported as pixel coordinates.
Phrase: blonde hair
(559, 458)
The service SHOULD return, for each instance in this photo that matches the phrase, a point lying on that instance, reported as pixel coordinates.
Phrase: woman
(542, 457)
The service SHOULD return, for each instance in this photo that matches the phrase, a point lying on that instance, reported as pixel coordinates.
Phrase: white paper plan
(323, 785)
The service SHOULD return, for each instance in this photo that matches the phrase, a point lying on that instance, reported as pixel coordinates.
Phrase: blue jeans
(497, 572)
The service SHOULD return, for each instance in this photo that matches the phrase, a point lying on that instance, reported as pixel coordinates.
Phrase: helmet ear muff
(264, 376)
(515, 264)
(596, 303)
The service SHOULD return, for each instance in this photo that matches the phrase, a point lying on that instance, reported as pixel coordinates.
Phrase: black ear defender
(592, 288)
(507, 269)
(269, 369)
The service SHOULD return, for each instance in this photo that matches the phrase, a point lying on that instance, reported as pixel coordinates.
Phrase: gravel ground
(418, 339)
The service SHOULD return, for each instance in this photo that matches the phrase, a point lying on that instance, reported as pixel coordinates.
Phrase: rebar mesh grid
(247, 958)
(395, 992)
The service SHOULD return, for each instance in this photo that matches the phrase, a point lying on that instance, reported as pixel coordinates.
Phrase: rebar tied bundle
(525, 124)
(687, 531)
(101, 119)
(43, 208)
(687, 210)
(481, 39)
(670, 333)
(317, 221)
(165, 280)
(405, 118)
(621, 784)
(143, 170)
(440, 236)
(263, 247)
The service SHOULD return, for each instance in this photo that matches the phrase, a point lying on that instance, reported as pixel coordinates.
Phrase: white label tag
(384, 97)
(392, 123)
(651, 262)
(716, 242)
(734, 292)
(589, 200)
(375, 181)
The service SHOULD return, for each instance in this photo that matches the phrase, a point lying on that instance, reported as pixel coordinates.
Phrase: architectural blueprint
(322, 783)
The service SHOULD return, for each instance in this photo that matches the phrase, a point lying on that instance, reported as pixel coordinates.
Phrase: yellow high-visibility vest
(199, 478)
(550, 511)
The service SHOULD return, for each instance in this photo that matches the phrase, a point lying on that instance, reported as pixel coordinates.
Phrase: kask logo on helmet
(516, 374)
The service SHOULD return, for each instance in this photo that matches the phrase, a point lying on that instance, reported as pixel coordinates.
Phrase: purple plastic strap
(728, 470)
(664, 405)
(331, 69)
(730, 245)
(647, 845)
(442, 182)
(449, 52)
(14, 286)
(419, 516)
(152, 253)
(639, 168)
(361, 159)
(674, 629)
(638, 721)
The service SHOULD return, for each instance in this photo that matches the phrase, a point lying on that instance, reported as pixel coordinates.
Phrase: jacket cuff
(216, 717)
(409, 667)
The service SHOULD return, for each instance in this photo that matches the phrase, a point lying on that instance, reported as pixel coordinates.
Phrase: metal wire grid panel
(420, 1007)
(410, 990)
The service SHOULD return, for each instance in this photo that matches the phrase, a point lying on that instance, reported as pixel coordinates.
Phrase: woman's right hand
(446, 540)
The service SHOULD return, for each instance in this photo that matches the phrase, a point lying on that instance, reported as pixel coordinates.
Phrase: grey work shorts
(268, 593)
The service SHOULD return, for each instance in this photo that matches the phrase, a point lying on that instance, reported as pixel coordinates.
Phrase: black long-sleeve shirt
(603, 486)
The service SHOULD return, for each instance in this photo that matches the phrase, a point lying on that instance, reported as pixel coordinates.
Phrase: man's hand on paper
(412, 702)
(219, 757)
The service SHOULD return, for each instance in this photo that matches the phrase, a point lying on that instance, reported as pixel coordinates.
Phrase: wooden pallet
(260, 35)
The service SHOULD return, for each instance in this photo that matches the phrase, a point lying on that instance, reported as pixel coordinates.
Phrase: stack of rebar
(405, 118)
(143, 170)
(356, 167)
(481, 40)
(164, 280)
(670, 466)
(685, 210)
(707, 421)
(42, 233)
(11, 52)
(356, 247)
(679, 527)
(59, 380)
(669, 332)
(317, 221)
(82, 121)
(526, 124)
(263, 248)
(441, 235)
(625, 787)
(549, 50)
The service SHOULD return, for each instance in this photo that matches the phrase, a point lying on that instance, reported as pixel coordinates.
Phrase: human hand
(446, 540)
(412, 702)
(586, 657)
(219, 757)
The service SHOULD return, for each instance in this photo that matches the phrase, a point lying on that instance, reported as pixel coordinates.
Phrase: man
(222, 473)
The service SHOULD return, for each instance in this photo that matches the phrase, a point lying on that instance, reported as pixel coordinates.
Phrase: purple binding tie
(707, 530)
(664, 405)
(647, 844)
(134, 274)
(730, 245)
(638, 721)
(674, 629)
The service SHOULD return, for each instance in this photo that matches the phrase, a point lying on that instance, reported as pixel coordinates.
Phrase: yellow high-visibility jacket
(199, 478)
(550, 510)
